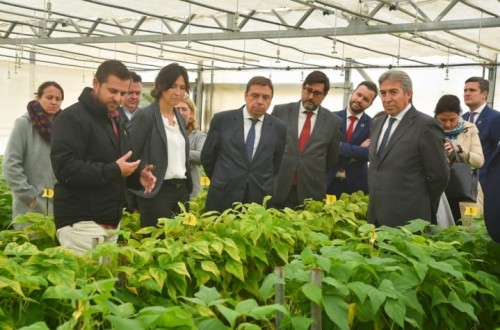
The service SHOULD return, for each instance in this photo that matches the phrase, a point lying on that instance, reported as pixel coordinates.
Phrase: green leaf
(337, 310)
(179, 268)
(36, 326)
(207, 295)
(438, 297)
(263, 313)
(159, 275)
(234, 267)
(202, 247)
(307, 256)
(396, 310)
(59, 276)
(259, 253)
(387, 288)
(462, 306)
(173, 317)
(212, 324)
(312, 292)
(26, 249)
(282, 249)
(124, 323)
(210, 266)
(340, 288)
(228, 314)
(14, 285)
(218, 247)
(246, 306)
(232, 250)
(63, 293)
(268, 285)
(301, 322)
(446, 268)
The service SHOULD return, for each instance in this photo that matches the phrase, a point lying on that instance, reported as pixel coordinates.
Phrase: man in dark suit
(243, 150)
(408, 170)
(312, 144)
(352, 173)
(492, 197)
(131, 100)
(486, 119)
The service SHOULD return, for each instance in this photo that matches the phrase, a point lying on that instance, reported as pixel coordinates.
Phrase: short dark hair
(317, 77)
(260, 80)
(484, 85)
(448, 103)
(167, 77)
(112, 68)
(45, 85)
(135, 77)
(370, 85)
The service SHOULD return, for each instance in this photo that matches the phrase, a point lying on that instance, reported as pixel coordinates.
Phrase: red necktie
(306, 131)
(350, 128)
(113, 116)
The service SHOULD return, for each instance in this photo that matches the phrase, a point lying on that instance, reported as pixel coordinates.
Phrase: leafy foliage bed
(208, 271)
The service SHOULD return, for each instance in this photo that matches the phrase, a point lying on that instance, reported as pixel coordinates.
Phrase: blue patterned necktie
(385, 139)
(251, 138)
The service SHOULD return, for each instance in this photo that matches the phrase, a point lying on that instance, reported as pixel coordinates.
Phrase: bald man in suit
(408, 170)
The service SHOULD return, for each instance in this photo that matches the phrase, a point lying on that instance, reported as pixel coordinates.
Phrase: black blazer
(227, 165)
(149, 144)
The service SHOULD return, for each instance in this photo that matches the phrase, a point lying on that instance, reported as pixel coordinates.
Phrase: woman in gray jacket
(26, 162)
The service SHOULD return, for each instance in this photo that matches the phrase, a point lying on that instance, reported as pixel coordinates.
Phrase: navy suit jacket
(353, 158)
(232, 175)
(492, 197)
(488, 124)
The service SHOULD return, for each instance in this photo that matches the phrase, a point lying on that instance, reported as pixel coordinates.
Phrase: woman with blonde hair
(196, 141)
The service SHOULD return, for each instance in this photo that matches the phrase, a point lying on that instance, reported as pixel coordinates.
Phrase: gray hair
(397, 75)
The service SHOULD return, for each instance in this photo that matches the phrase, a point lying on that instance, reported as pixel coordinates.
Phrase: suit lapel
(265, 135)
(400, 130)
(157, 117)
(361, 126)
(375, 136)
(294, 126)
(343, 115)
(239, 132)
(318, 128)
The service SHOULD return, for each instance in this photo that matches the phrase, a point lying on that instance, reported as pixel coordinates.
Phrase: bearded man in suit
(312, 144)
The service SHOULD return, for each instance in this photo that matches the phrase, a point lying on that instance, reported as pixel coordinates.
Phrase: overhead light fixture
(393, 6)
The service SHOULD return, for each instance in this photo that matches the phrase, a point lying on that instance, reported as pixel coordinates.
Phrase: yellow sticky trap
(330, 199)
(48, 193)
(189, 219)
(472, 211)
(204, 181)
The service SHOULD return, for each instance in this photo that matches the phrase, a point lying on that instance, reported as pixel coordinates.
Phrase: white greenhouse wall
(19, 85)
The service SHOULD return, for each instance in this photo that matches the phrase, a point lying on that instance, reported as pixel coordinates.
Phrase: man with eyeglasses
(312, 144)
(131, 100)
(243, 150)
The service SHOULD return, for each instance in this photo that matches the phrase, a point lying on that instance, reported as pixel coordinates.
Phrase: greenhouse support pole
(280, 293)
(316, 310)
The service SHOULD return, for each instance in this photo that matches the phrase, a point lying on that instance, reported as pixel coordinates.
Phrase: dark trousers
(292, 201)
(165, 203)
(455, 210)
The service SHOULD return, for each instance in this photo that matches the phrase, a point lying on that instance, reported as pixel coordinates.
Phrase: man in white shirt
(131, 100)
(408, 170)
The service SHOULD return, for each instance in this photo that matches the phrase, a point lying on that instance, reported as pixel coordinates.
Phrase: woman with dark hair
(158, 137)
(462, 138)
(196, 140)
(26, 162)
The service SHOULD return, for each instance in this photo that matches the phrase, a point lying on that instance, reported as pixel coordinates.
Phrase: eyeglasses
(310, 91)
